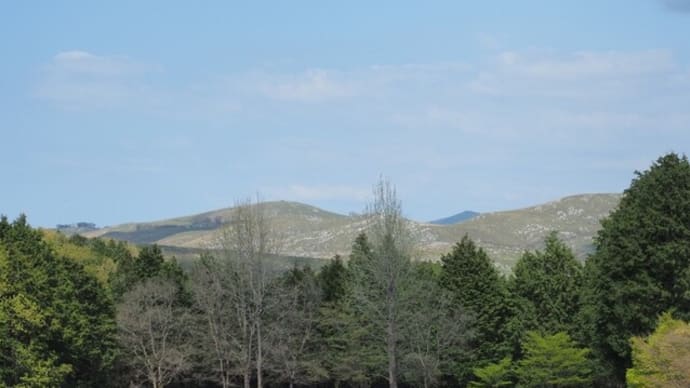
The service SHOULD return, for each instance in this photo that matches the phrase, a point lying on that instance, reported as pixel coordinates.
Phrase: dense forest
(77, 312)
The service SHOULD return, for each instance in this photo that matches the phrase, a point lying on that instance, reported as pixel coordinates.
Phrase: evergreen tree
(641, 267)
(361, 251)
(347, 354)
(476, 286)
(333, 280)
(545, 289)
(150, 263)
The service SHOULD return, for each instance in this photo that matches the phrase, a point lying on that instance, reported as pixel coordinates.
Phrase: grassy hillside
(505, 235)
(310, 232)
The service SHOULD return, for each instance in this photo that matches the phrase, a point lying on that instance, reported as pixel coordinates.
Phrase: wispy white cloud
(539, 92)
(579, 74)
(82, 80)
(587, 64)
(83, 63)
(313, 85)
(327, 85)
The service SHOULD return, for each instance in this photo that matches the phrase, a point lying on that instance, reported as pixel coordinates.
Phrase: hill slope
(308, 231)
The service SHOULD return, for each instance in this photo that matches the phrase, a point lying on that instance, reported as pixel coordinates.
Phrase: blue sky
(136, 111)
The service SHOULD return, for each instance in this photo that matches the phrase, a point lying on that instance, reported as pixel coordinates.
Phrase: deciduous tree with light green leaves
(552, 361)
(494, 375)
(663, 358)
(56, 321)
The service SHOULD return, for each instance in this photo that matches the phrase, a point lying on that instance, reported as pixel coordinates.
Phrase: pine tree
(545, 289)
(333, 278)
(476, 286)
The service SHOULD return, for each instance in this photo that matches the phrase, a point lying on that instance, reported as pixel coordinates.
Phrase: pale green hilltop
(307, 231)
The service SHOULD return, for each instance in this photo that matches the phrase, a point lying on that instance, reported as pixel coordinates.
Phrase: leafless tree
(152, 330)
(293, 354)
(434, 331)
(221, 333)
(381, 284)
(232, 291)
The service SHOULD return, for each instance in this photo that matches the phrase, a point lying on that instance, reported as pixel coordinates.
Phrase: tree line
(77, 312)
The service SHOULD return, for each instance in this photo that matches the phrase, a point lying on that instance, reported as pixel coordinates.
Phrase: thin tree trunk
(222, 374)
(392, 372)
(259, 357)
(247, 380)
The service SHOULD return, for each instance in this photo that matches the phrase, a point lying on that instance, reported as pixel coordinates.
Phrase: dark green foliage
(148, 264)
(545, 290)
(642, 263)
(56, 321)
(352, 354)
(552, 361)
(333, 278)
(361, 251)
(347, 356)
(341, 338)
(476, 285)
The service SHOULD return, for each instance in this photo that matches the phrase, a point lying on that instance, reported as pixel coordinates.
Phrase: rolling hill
(307, 231)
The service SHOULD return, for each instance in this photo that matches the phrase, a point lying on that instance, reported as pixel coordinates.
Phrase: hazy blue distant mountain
(455, 219)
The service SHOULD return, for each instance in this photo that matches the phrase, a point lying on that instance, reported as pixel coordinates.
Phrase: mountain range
(307, 231)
